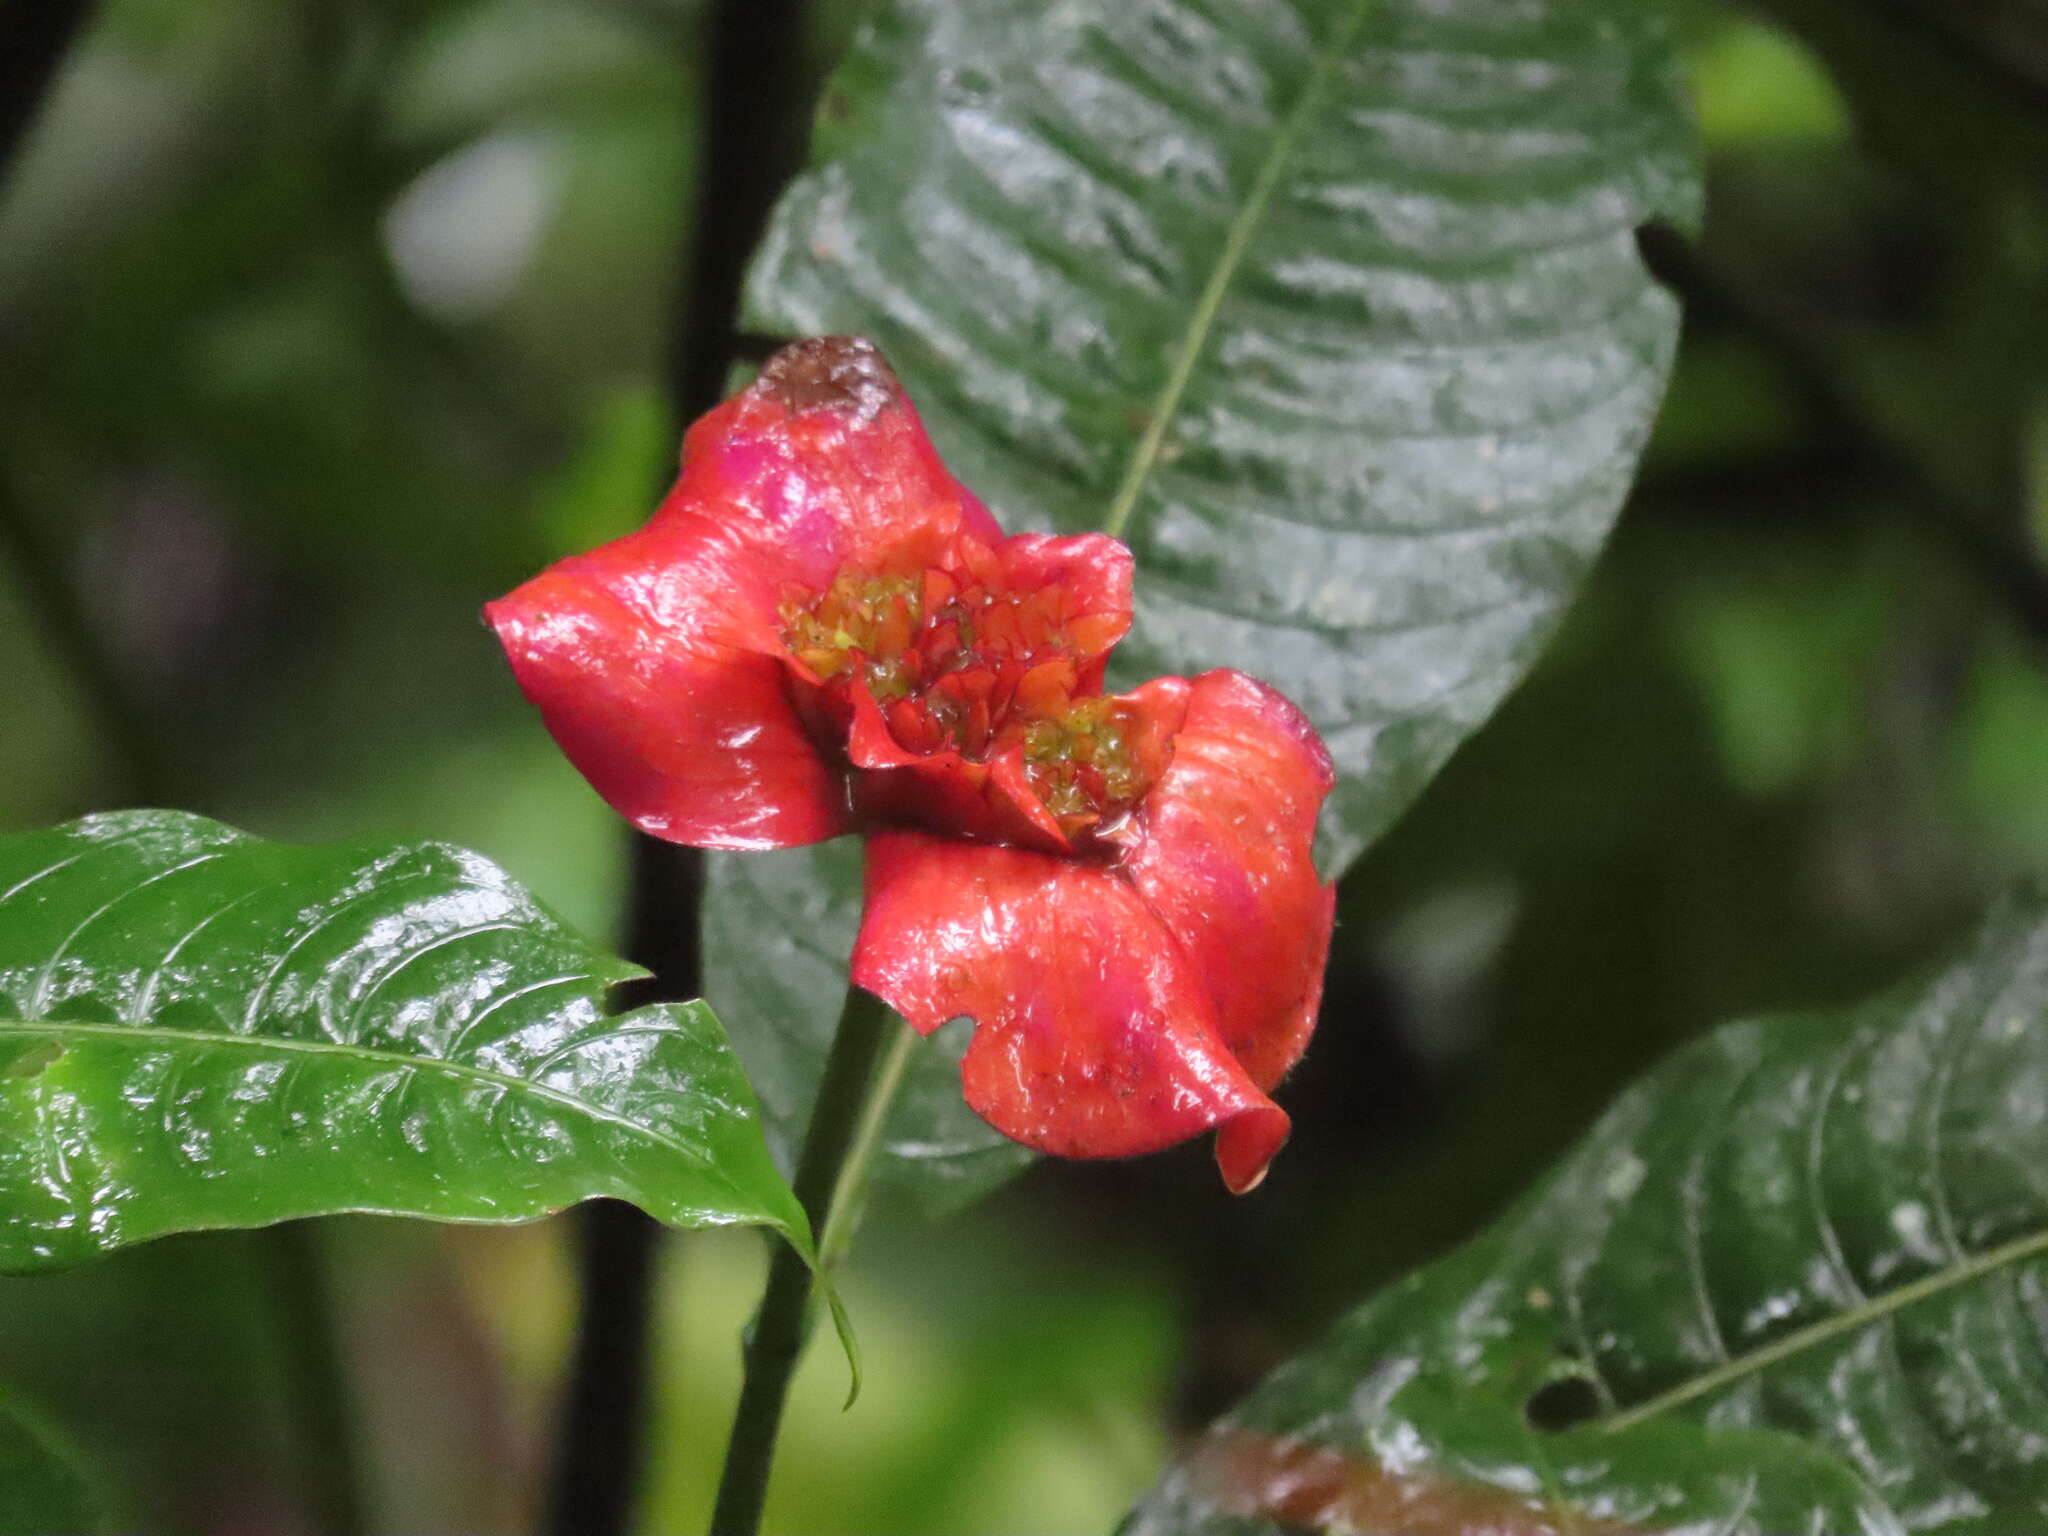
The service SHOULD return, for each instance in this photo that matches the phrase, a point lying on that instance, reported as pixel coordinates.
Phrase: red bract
(821, 631)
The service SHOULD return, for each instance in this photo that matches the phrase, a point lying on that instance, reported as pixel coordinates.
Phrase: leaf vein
(369, 1056)
(1236, 242)
(1878, 1308)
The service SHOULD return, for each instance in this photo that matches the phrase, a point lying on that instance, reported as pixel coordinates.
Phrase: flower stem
(869, 1051)
(836, 1235)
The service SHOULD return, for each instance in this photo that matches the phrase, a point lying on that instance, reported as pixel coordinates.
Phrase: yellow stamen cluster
(860, 626)
(1080, 761)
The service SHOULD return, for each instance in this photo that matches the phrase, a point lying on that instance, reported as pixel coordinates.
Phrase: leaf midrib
(369, 1056)
(1236, 241)
(1813, 1335)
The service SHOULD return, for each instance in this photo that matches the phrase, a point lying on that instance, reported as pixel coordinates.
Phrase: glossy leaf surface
(201, 1029)
(1331, 308)
(1793, 1281)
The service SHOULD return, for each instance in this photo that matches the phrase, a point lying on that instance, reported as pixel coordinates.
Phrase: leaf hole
(1564, 1401)
(1665, 252)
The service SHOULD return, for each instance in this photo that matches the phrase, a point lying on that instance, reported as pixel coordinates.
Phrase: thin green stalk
(837, 1234)
(861, 1073)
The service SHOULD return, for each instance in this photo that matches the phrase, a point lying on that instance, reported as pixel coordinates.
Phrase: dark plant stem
(316, 1382)
(34, 38)
(758, 93)
(756, 90)
(33, 42)
(602, 1443)
(317, 1395)
(845, 1121)
(52, 596)
(603, 1446)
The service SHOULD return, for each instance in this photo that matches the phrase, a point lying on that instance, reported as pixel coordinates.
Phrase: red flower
(821, 631)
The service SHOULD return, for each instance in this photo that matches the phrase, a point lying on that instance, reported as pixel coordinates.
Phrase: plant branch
(321, 1405)
(836, 1236)
(601, 1448)
(130, 737)
(754, 75)
(759, 93)
(861, 1074)
(318, 1396)
(34, 39)
(317, 1390)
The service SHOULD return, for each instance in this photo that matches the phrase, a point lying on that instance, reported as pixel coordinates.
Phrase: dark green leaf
(200, 1029)
(1331, 308)
(43, 1491)
(1794, 1281)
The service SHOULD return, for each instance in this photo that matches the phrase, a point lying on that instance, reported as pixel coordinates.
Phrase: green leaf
(200, 1029)
(1332, 309)
(1796, 1280)
(43, 1490)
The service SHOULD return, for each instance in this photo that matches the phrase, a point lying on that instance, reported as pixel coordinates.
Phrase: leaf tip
(843, 1326)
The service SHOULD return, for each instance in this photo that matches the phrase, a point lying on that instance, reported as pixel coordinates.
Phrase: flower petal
(688, 735)
(1092, 573)
(985, 802)
(822, 463)
(1224, 854)
(1093, 1036)
(895, 785)
(652, 658)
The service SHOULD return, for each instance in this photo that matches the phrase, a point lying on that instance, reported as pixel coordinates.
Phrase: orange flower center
(958, 661)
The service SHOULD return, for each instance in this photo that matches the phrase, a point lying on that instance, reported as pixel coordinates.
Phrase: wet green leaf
(201, 1029)
(1793, 1281)
(1331, 308)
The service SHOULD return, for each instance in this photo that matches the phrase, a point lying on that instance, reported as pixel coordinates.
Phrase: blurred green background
(320, 325)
